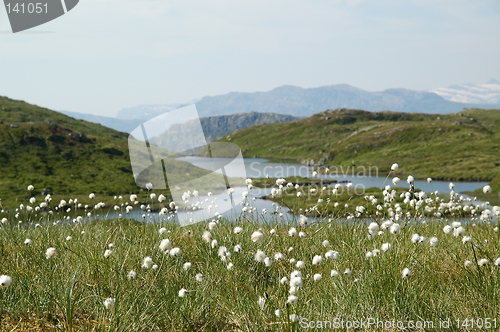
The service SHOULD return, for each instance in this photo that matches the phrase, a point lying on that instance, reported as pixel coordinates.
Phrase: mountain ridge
(297, 101)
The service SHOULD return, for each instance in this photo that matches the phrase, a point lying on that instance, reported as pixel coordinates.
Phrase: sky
(105, 55)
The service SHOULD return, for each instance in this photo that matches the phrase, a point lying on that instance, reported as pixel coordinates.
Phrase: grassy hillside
(461, 146)
(62, 156)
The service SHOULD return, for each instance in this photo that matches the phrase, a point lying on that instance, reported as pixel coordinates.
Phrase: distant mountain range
(296, 101)
(293, 100)
(488, 93)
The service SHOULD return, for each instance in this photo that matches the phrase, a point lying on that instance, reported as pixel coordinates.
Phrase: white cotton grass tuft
(51, 253)
(447, 229)
(334, 273)
(109, 303)
(394, 167)
(5, 281)
(175, 251)
(406, 272)
(326, 243)
(199, 277)
(260, 256)
(207, 236)
(237, 230)
(257, 236)
(162, 231)
(317, 277)
(433, 241)
(487, 189)
(147, 262)
(386, 247)
(131, 275)
(300, 265)
(165, 245)
(108, 253)
(395, 228)
(292, 231)
(332, 254)
(187, 266)
(483, 262)
(317, 260)
(292, 299)
(467, 263)
(28, 242)
(183, 292)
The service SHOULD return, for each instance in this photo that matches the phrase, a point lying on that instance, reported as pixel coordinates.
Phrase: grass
(67, 292)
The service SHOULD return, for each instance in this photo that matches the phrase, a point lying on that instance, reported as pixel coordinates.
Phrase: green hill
(460, 146)
(62, 156)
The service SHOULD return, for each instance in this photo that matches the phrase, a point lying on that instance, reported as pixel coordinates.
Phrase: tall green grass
(67, 292)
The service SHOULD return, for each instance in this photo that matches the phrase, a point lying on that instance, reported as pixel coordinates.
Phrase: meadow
(395, 259)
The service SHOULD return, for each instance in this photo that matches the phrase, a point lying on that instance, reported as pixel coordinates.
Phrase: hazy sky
(108, 54)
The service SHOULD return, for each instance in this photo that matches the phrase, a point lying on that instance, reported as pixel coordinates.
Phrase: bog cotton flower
(183, 292)
(5, 281)
(237, 230)
(109, 303)
(292, 299)
(257, 236)
(131, 275)
(406, 272)
(386, 247)
(396, 180)
(165, 245)
(326, 243)
(292, 231)
(317, 260)
(395, 228)
(199, 277)
(482, 262)
(107, 253)
(332, 254)
(300, 265)
(175, 251)
(51, 253)
(334, 273)
(317, 277)
(28, 242)
(487, 189)
(433, 241)
(147, 262)
(186, 266)
(260, 256)
(394, 167)
(410, 179)
(162, 231)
